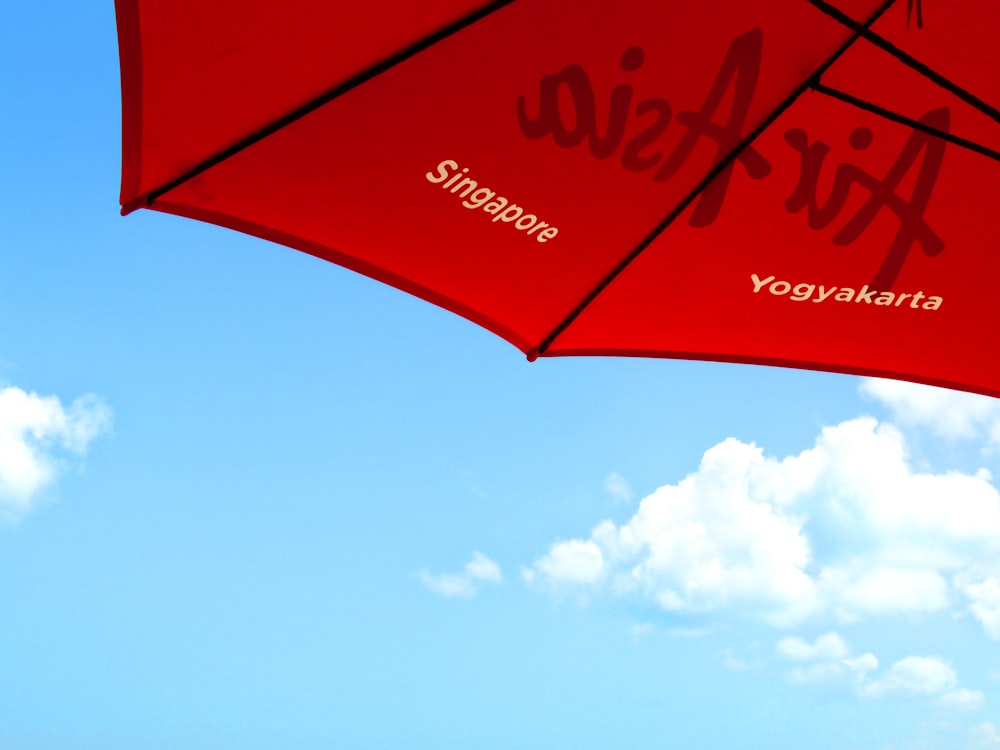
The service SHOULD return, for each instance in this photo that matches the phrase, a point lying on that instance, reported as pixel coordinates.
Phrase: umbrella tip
(135, 204)
(915, 7)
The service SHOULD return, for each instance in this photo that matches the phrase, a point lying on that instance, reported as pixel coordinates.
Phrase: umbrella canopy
(785, 182)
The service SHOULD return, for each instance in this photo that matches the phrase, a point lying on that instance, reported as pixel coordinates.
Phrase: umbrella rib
(888, 114)
(146, 200)
(922, 68)
(721, 166)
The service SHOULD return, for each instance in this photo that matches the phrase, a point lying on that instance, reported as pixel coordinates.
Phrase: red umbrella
(784, 182)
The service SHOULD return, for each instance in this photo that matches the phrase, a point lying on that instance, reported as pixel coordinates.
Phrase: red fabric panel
(598, 122)
(351, 177)
(206, 74)
(719, 315)
(714, 309)
(959, 41)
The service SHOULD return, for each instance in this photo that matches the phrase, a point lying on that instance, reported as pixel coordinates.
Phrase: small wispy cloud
(828, 660)
(464, 585)
(983, 594)
(727, 657)
(924, 676)
(913, 675)
(829, 646)
(641, 630)
(618, 487)
(38, 436)
(985, 736)
(687, 632)
(963, 699)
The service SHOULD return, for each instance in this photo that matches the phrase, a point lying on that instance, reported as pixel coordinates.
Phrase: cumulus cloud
(573, 562)
(700, 545)
(464, 585)
(847, 529)
(38, 436)
(951, 414)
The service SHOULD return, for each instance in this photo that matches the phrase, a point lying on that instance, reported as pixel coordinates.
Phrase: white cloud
(641, 630)
(861, 665)
(847, 529)
(681, 632)
(963, 699)
(822, 672)
(828, 661)
(914, 675)
(949, 413)
(884, 590)
(449, 585)
(618, 487)
(572, 562)
(464, 585)
(984, 600)
(828, 646)
(36, 433)
(732, 662)
(482, 568)
(985, 736)
(701, 545)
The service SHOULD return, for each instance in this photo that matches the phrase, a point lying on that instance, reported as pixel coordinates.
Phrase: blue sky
(251, 500)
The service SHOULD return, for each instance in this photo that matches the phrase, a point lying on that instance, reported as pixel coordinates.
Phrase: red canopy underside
(615, 178)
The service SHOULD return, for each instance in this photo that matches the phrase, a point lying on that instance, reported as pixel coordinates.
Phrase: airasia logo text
(739, 73)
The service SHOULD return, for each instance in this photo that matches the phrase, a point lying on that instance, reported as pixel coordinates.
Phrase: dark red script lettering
(882, 193)
(740, 71)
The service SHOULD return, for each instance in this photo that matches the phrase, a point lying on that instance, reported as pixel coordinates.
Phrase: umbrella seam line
(911, 62)
(702, 186)
(892, 116)
(146, 200)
